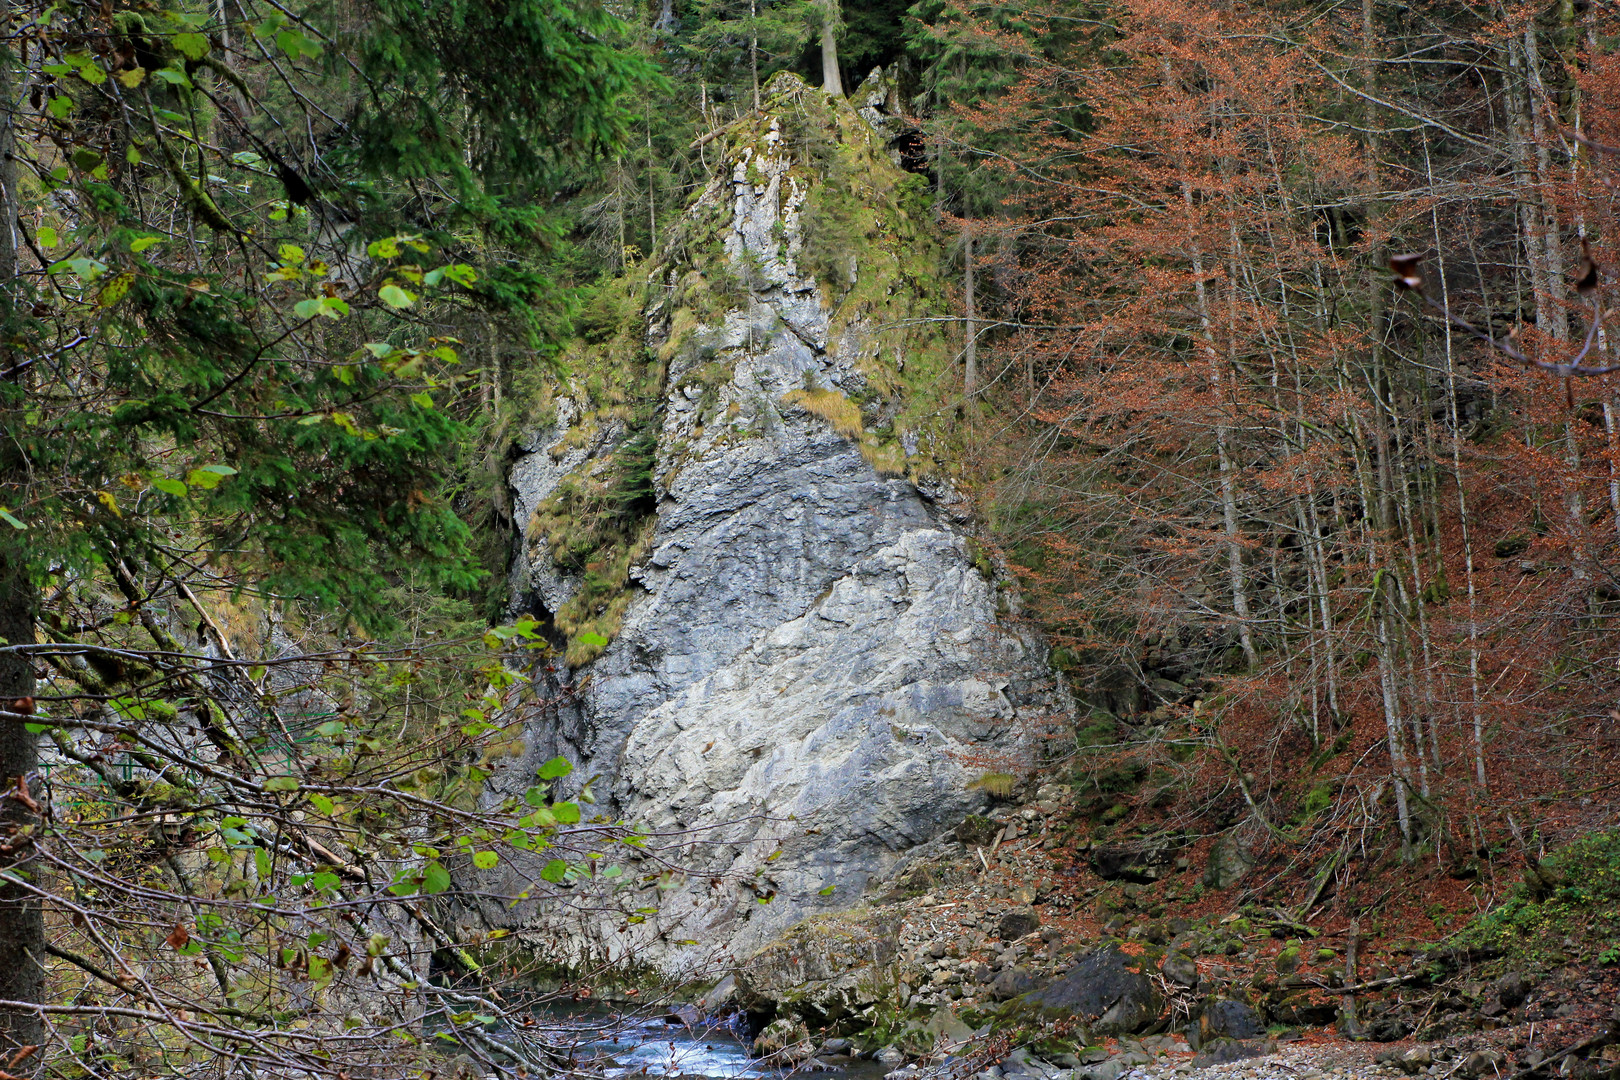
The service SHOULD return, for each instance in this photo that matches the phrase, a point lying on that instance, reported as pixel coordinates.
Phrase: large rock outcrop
(779, 632)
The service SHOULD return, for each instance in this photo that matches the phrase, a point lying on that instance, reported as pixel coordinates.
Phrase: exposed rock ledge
(810, 669)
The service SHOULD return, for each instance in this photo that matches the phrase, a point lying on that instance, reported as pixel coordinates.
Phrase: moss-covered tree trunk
(22, 929)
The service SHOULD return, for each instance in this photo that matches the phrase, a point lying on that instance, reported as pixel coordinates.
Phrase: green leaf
(296, 45)
(46, 237)
(174, 76)
(554, 769)
(322, 803)
(11, 519)
(141, 243)
(208, 477)
(460, 273)
(281, 783)
(91, 72)
(593, 640)
(423, 400)
(828, 891)
(261, 861)
(60, 106)
(169, 486)
(192, 46)
(395, 297)
(435, 878)
(554, 871)
(567, 813)
(485, 860)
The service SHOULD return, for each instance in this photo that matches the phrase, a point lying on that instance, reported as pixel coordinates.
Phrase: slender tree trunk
(753, 50)
(831, 80)
(1236, 575)
(22, 926)
(970, 341)
(1462, 504)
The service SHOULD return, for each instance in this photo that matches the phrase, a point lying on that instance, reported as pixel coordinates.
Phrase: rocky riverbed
(1012, 950)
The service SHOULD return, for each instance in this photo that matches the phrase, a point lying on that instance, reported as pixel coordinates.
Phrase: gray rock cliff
(806, 662)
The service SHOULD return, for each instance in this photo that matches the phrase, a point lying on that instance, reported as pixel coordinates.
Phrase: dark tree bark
(22, 926)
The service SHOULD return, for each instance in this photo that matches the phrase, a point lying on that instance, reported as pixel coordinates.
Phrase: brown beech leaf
(179, 936)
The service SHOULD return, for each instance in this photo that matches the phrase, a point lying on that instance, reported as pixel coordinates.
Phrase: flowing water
(631, 1046)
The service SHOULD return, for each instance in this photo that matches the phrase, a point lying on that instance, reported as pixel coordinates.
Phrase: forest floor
(1013, 914)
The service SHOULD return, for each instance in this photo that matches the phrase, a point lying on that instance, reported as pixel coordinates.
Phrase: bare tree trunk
(1236, 575)
(831, 80)
(1462, 507)
(652, 197)
(753, 50)
(970, 341)
(22, 925)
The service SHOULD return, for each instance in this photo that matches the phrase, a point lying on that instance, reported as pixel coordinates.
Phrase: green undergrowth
(598, 524)
(1568, 909)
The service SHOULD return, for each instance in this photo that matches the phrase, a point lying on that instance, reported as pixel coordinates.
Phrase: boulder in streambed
(824, 968)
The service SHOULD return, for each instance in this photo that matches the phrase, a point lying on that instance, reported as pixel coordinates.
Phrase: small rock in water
(784, 1037)
(890, 1057)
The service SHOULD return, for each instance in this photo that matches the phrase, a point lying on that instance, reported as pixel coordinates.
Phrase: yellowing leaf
(141, 243)
(395, 297)
(194, 46)
(485, 860)
(105, 498)
(115, 290)
(132, 78)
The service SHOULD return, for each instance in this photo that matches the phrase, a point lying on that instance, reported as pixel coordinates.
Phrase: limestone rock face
(810, 662)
